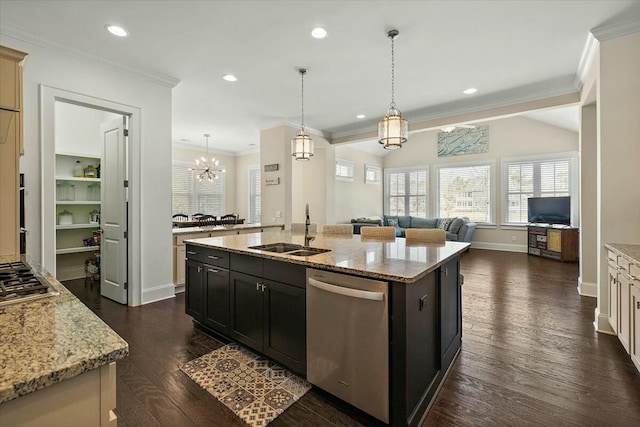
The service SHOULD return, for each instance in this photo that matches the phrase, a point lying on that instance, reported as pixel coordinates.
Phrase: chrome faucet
(307, 223)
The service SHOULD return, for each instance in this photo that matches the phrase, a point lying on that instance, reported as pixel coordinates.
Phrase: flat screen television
(549, 210)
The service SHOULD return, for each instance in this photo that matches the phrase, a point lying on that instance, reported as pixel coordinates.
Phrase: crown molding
(586, 59)
(15, 32)
(534, 92)
(293, 125)
(617, 29)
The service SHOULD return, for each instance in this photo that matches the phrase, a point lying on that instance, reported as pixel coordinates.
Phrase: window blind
(406, 192)
(254, 194)
(465, 191)
(535, 178)
(191, 196)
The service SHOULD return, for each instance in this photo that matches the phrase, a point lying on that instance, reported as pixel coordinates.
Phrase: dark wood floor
(530, 356)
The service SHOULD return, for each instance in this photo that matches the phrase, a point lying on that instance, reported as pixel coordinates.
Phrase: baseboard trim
(508, 247)
(601, 323)
(587, 289)
(158, 293)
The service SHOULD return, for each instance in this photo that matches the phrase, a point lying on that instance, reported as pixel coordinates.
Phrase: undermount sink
(290, 249)
(308, 252)
(278, 247)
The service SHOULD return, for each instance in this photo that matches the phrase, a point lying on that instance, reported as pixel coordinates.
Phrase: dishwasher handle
(349, 292)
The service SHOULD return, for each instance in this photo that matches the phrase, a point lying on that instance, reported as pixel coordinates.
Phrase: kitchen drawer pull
(213, 257)
(211, 270)
(349, 292)
(192, 253)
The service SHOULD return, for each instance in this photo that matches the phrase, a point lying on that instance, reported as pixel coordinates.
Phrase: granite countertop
(630, 251)
(52, 339)
(394, 260)
(187, 230)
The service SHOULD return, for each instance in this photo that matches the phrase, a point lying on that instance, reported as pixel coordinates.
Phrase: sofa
(458, 229)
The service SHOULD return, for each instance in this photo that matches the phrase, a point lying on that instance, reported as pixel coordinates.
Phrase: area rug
(256, 389)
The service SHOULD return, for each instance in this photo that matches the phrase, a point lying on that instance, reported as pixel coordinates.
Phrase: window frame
(406, 170)
(253, 168)
(375, 169)
(574, 183)
(492, 187)
(351, 165)
(195, 183)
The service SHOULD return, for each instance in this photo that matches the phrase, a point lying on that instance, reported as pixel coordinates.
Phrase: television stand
(555, 242)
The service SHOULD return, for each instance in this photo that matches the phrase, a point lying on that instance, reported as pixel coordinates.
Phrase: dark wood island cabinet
(258, 299)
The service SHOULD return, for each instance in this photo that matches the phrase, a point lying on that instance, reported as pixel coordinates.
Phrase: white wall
(357, 199)
(77, 128)
(83, 76)
(242, 181)
(508, 138)
(226, 162)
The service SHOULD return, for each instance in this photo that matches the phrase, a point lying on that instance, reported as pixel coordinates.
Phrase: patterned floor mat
(253, 387)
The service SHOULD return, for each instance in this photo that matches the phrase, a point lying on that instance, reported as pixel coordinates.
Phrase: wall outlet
(278, 214)
(513, 238)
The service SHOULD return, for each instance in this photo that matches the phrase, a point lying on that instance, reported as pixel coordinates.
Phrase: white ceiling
(506, 49)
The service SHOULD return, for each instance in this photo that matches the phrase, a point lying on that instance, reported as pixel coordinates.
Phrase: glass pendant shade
(393, 130)
(302, 146)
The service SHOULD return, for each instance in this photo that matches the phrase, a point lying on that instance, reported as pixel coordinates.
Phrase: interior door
(113, 215)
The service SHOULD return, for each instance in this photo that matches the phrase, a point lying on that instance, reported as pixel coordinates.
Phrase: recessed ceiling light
(360, 116)
(470, 91)
(230, 78)
(319, 33)
(117, 31)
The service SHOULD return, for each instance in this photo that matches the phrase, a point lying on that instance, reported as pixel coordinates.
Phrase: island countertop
(216, 228)
(394, 260)
(46, 341)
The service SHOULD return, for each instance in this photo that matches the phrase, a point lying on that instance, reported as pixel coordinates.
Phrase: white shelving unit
(69, 247)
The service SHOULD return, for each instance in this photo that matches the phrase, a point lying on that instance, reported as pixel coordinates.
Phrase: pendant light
(302, 144)
(393, 129)
(207, 168)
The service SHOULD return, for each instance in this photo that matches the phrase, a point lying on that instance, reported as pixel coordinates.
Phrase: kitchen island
(57, 361)
(259, 298)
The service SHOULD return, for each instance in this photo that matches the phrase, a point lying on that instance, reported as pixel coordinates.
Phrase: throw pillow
(392, 222)
(456, 225)
(443, 223)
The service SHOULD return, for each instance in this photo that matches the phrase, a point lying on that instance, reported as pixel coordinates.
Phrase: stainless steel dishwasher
(348, 339)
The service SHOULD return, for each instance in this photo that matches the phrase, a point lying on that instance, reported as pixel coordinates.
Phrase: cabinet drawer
(634, 273)
(612, 259)
(209, 256)
(247, 264)
(291, 274)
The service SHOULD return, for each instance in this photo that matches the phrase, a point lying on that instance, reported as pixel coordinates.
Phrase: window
(191, 196)
(534, 177)
(466, 191)
(405, 191)
(372, 174)
(344, 170)
(254, 193)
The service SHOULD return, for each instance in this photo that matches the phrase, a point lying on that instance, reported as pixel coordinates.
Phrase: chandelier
(207, 168)
(393, 128)
(302, 144)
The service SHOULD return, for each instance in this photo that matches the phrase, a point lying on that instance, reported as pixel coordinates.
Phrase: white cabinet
(77, 208)
(624, 303)
(635, 324)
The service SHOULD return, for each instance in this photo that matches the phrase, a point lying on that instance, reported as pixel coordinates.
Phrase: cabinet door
(613, 298)
(635, 324)
(194, 290)
(216, 312)
(624, 304)
(10, 85)
(246, 309)
(179, 265)
(285, 337)
(450, 311)
(554, 240)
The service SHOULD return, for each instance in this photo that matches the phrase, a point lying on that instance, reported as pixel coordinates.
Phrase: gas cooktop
(19, 283)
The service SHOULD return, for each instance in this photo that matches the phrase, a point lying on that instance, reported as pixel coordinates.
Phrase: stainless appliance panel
(348, 339)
